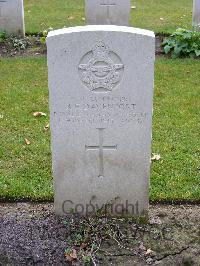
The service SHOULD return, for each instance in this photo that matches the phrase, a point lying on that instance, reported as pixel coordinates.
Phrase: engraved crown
(100, 49)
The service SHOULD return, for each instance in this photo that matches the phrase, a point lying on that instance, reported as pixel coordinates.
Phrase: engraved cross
(108, 4)
(101, 149)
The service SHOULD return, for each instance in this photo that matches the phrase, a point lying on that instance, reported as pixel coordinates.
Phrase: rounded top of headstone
(102, 28)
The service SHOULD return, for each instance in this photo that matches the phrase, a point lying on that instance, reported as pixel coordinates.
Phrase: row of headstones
(114, 12)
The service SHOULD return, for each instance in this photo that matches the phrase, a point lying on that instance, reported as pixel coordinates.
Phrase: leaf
(148, 252)
(39, 114)
(167, 49)
(155, 157)
(46, 127)
(43, 40)
(83, 245)
(27, 142)
(133, 7)
(187, 35)
(71, 256)
(177, 50)
(197, 52)
(68, 257)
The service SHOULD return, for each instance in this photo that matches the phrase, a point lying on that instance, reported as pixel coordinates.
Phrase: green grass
(175, 14)
(176, 130)
(25, 170)
(42, 14)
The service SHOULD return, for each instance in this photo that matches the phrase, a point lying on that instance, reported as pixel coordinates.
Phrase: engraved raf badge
(101, 70)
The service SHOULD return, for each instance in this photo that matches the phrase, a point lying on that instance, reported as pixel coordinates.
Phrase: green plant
(18, 43)
(183, 43)
(44, 35)
(2, 36)
(85, 243)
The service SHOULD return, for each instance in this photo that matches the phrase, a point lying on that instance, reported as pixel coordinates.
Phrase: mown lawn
(161, 16)
(25, 170)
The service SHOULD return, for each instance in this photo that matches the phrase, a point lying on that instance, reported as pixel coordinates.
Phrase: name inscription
(101, 110)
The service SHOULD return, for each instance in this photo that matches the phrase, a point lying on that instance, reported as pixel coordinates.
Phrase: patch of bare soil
(159, 48)
(34, 47)
(30, 234)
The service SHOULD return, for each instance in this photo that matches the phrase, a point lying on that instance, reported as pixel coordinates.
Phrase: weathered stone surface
(12, 16)
(107, 12)
(101, 90)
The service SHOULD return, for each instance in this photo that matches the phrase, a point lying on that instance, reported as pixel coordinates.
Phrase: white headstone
(107, 12)
(101, 115)
(196, 14)
(12, 16)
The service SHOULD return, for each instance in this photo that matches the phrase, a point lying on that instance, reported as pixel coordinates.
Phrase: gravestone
(107, 12)
(12, 16)
(196, 14)
(101, 115)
